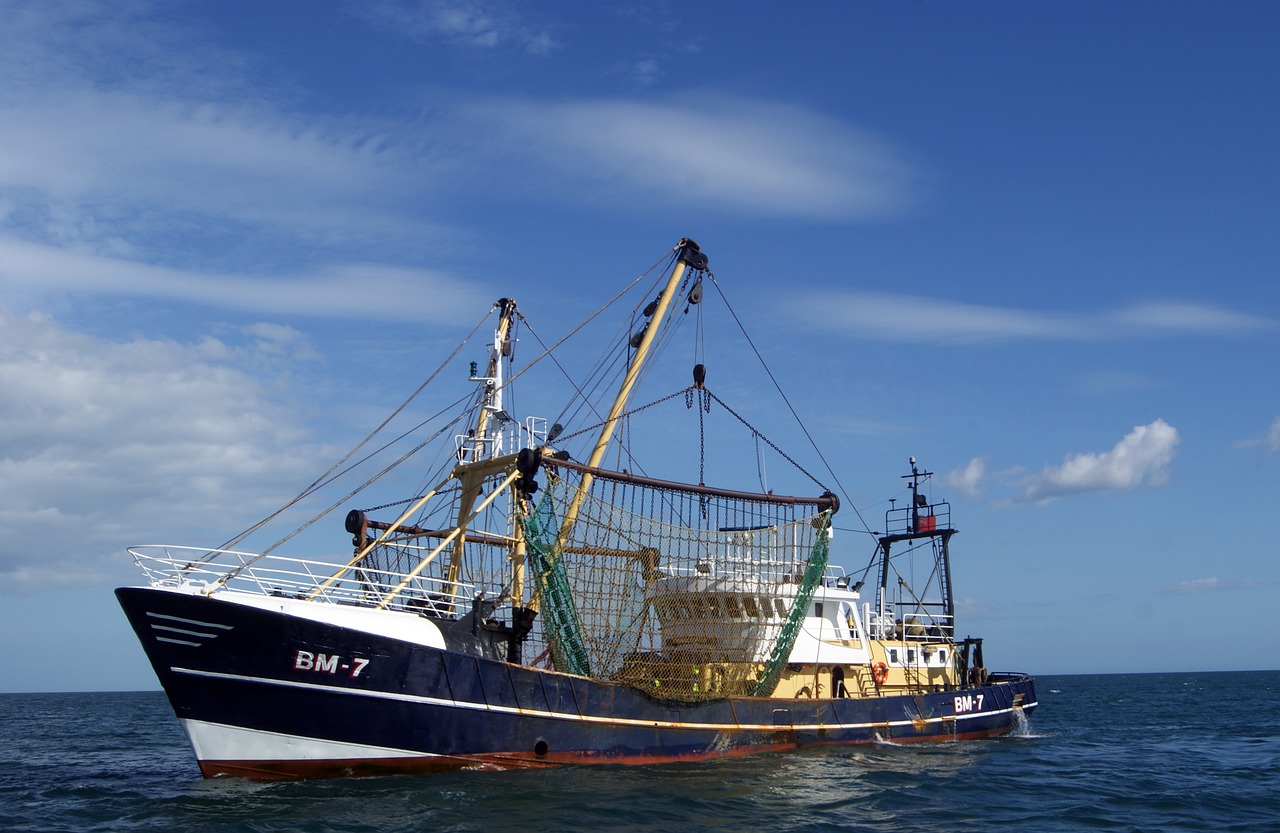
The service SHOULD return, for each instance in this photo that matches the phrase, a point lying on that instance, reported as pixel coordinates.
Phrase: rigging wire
(609, 359)
(326, 478)
(813, 444)
(768, 441)
(352, 493)
(760, 475)
(620, 359)
(659, 346)
(548, 350)
(584, 398)
(613, 365)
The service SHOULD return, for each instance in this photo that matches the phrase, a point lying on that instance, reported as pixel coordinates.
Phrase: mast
(688, 255)
(920, 520)
(482, 448)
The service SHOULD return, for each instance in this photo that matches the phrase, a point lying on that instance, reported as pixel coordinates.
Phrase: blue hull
(298, 696)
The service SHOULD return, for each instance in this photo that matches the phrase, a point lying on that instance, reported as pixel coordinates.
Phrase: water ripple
(1178, 752)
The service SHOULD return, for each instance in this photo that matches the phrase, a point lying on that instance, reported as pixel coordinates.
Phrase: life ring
(879, 673)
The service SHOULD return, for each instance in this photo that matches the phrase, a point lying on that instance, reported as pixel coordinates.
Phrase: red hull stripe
(362, 767)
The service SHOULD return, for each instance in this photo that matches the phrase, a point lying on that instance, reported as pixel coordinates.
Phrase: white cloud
(1198, 585)
(346, 290)
(1209, 585)
(645, 72)
(1178, 317)
(1141, 458)
(168, 168)
(1269, 442)
(139, 142)
(108, 444)
(974, 606)
(913, 319)
(742, 155)
(969, 480)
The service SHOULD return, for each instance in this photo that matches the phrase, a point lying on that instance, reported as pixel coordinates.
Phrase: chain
(626, 414)
(768, 441)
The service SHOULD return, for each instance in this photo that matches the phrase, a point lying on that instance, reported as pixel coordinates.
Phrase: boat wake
(1022, 726)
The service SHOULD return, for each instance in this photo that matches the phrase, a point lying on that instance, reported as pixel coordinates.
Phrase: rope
(778, 387)
(768, 441)
(325, 478)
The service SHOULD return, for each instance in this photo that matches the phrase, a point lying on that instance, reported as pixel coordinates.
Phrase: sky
(1032, 245)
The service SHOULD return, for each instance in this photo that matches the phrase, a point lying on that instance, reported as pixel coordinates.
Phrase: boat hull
(267, 694)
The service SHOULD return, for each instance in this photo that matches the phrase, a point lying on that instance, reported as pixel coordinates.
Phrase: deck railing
(913, 623)
(927, 517)
(275, 575)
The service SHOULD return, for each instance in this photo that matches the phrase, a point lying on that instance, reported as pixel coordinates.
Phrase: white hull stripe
(196, 622)
(608, 721)
(173, 635)
(169, 629)
(219, 742)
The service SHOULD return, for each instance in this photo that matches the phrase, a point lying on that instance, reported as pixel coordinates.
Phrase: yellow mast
(687, 255)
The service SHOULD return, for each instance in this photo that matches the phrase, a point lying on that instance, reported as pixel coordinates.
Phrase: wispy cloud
(1269, 442)
(123, 135)
(354, 290)
(643, 73)
(915, 319)
(143, 176)
(1211, 585)
(1141, 459)
(154, 170)
(741, 155)
(482, 25)
(1179, 317)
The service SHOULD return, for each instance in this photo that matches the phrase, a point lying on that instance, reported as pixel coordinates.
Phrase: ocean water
(1141, 752)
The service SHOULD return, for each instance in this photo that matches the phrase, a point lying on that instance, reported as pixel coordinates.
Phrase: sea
(1117, 752)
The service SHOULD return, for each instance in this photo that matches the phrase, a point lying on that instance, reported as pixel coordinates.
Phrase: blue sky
(1031, 244)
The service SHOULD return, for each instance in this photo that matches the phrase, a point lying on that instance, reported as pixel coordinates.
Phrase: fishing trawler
(531, 608)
